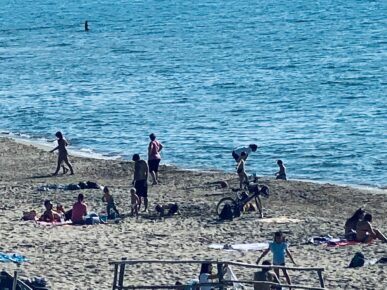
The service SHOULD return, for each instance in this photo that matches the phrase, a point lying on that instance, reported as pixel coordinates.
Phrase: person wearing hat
(49, 215)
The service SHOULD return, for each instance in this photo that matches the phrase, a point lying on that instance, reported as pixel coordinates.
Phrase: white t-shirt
(240, 149)
(203, 278)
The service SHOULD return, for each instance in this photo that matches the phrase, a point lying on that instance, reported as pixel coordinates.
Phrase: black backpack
(226, 213)
(357, 261)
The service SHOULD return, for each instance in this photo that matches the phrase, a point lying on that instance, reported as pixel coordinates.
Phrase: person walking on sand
(281, 174)
(237, 151)
(111, 206)
(62, 155)
(279, 248)
(154, 157)
(140, 179)
(135, 203)
(365, 233)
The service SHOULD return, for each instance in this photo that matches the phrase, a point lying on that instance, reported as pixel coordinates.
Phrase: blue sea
(305, 80)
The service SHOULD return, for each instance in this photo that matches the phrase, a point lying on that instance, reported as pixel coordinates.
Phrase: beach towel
(331, 241)
(54, 224)
(279, 220)
(241, 247)
(229, 275)
(12, 257)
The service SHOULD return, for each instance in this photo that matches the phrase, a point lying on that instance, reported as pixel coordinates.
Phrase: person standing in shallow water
(62, 155)
(154, 157)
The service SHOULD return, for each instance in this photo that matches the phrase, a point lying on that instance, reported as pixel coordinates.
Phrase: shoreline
(46, 146)
(78, 257)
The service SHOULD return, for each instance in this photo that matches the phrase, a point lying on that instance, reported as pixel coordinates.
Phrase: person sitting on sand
(154, 157)
(140, 179)
(135, 202)
(206, 275)
(236, 153)
(49, 215)
(63, 155)
(265, 275)
(365, 233)
(281, 174)
(79, 210)
(351, 224)
(279, 248)
(243, 179)
(111, 206)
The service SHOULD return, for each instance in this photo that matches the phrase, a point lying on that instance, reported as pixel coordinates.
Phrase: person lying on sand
(265, 275)
(365, 233)
(111, 206)
(351, 224)
(279, 248)
(167, 209)
(49, 215)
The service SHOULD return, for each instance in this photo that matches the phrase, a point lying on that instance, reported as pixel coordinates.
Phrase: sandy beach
(76, 257)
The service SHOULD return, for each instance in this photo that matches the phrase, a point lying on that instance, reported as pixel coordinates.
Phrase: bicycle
(238, 203)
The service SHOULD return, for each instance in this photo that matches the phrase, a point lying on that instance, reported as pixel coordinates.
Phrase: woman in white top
(236, 153)
(206, 275)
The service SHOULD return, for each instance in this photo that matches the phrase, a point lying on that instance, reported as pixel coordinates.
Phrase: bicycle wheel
(223, 202)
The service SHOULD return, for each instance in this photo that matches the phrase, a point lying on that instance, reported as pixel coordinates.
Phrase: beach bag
(173, 209)
(92, 185)
(226, 213)
(357, 261)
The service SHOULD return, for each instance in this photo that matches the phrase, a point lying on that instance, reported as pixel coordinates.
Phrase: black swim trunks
(141, 187)
(154, 165)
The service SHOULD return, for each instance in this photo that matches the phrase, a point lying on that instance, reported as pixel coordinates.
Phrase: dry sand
(77, 257)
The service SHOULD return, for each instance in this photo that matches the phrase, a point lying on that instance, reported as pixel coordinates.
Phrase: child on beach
(281, 174)
(135, 202)
(63, 155)
(111, 206)
(279, 248)
(241, 171)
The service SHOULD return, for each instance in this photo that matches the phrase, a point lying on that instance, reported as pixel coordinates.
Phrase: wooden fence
(221, 284)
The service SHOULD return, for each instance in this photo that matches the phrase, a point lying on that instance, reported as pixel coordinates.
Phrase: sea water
(305, 80)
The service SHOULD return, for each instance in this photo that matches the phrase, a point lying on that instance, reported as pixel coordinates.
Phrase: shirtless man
(140, 179)
(365, 233)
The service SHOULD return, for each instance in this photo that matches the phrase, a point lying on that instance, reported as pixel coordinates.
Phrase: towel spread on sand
(241, 247)
(54, 224)
(279, 220)
(12, 257)
(330, 241)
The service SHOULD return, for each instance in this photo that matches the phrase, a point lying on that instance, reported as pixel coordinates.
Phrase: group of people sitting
(359, 228)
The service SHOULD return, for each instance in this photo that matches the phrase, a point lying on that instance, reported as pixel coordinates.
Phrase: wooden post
(14, 284)
(220, 275)
(320, 277)
(115, 277)
(121, 274)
